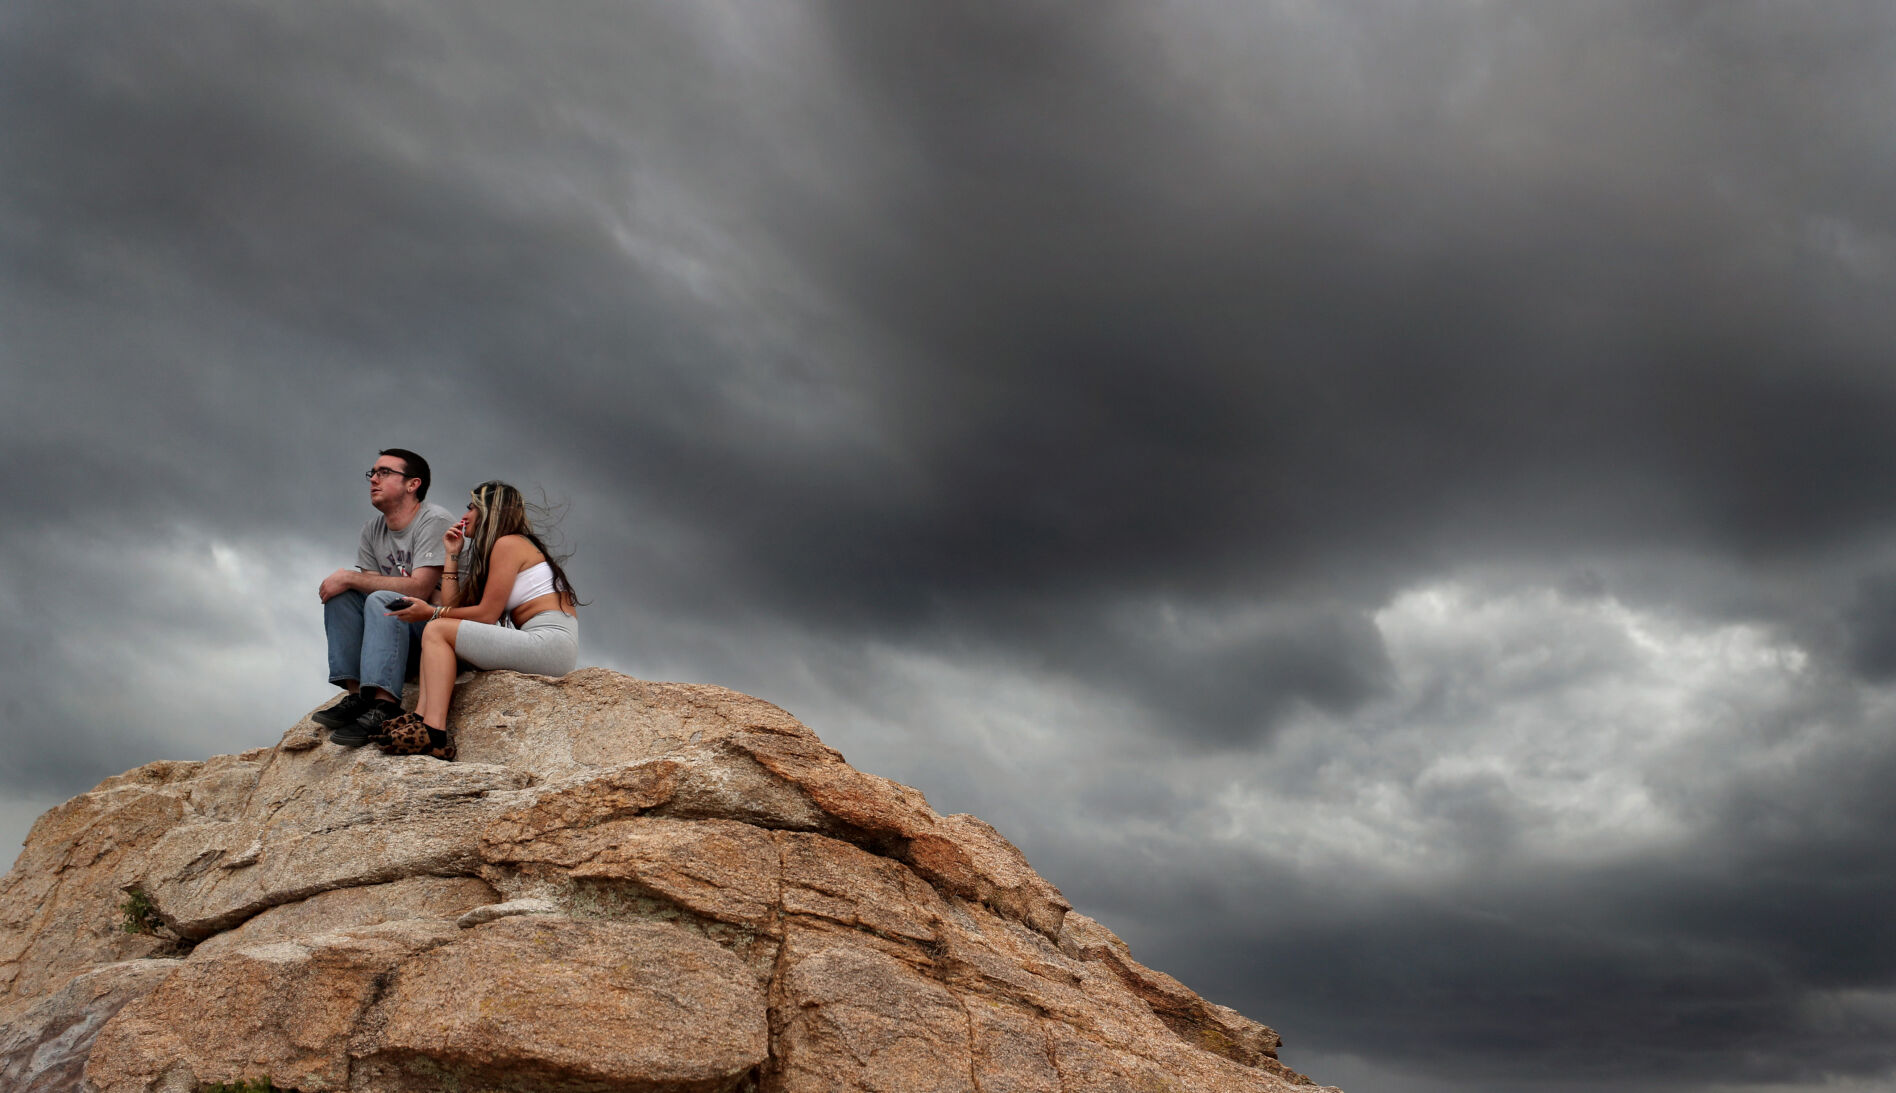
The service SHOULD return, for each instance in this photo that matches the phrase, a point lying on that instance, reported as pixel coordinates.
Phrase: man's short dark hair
(413, 466)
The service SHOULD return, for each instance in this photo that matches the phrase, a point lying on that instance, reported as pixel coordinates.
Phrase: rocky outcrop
(44, 1047)
(621, 886)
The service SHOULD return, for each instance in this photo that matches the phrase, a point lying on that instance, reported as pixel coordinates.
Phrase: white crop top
(535, 580)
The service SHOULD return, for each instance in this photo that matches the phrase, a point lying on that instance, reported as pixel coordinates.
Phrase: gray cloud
(1385, 505)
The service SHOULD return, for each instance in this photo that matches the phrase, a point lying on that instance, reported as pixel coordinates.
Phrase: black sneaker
(367, 726)
(343, 712)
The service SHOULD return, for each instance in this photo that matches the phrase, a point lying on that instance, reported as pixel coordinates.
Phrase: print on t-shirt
(398, 563)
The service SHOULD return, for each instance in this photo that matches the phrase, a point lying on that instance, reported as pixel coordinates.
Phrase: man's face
(387, 489)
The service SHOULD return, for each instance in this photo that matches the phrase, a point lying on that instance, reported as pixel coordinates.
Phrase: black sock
(437, 738)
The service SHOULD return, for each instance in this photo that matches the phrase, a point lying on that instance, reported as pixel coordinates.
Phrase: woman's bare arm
(512, 554)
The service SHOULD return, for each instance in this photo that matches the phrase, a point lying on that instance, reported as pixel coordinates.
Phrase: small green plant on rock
(141, 914)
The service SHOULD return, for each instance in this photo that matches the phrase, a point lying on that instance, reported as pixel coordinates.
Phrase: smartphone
(401, 604)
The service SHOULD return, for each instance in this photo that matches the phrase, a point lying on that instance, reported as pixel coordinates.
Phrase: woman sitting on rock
(497, 566)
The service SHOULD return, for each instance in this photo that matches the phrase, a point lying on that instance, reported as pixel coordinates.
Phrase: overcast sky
(1391, 505)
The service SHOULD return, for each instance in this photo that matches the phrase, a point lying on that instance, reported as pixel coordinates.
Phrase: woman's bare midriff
(552, 601)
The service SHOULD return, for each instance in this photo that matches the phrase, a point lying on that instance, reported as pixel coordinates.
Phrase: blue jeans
(365, 644)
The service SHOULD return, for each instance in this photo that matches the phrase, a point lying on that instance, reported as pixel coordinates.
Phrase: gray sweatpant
(548, 645)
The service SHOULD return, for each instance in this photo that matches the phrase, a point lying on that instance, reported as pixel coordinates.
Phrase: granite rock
(60, 905)
(347, 908)
(623, 886)
(283, 1011)
(44, 1048)
(567, 1005)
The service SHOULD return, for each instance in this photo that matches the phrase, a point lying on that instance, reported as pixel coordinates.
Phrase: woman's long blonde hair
(502, 512)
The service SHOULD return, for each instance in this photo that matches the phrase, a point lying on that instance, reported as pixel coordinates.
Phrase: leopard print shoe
(410, 735)
(405, 735)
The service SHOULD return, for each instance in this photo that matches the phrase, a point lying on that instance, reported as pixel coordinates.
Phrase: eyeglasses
(383, 472)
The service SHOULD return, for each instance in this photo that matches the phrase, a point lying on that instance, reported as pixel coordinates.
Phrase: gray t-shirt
(400, 553)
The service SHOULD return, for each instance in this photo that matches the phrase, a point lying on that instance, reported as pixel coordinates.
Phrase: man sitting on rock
(400, 555)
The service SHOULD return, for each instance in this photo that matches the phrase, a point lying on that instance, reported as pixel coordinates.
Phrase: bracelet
(440, 609)
(447, 573)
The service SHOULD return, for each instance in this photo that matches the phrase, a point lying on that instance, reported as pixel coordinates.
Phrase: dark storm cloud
(1871, 620)
(1188, 359)
(1646, 976)
(1762, 954)
(1138, 356)
(1133, 385)
(1753, 945)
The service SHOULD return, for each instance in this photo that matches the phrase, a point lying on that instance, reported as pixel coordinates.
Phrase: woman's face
(469, 518)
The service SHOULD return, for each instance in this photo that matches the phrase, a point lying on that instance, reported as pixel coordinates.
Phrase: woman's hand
(415, 611)
(454, 537)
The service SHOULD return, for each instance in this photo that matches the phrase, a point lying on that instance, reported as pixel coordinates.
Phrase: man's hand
(336, 584)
